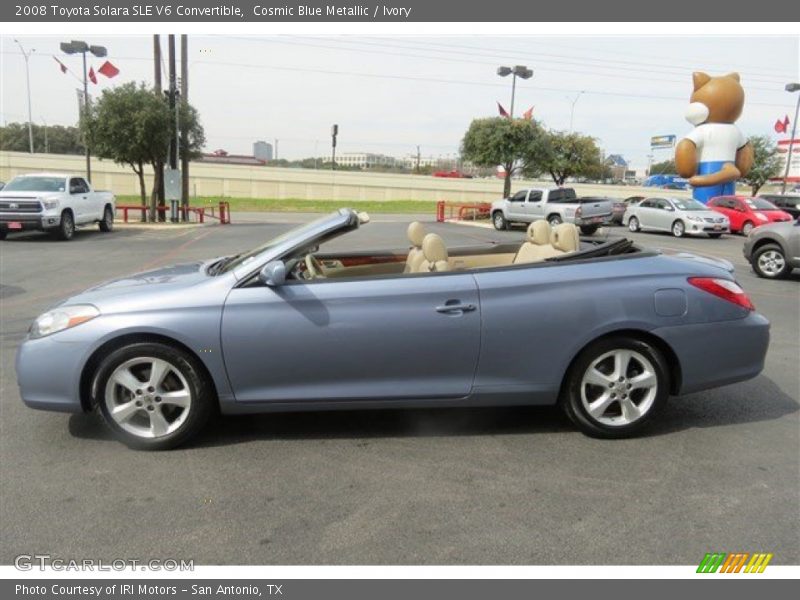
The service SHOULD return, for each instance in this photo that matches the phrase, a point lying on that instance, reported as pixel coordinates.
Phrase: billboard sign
(662, 141)
(794, 164)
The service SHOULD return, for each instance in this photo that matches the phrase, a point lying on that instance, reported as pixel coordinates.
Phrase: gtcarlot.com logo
(735, 562)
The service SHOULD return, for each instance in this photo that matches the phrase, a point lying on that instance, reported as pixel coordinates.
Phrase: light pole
(572, 111)
(80, 47)
(26, 56)
(791, 87)
(520, 71)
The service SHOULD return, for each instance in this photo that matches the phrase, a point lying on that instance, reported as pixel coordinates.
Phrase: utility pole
(276, 148)
(158, 184)
(791, 88)
(418, 160)
(26, 56)
(184, 130)
(334, 133)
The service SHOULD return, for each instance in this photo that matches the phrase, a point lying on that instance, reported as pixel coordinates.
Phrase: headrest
(565, 238)
(433, 248)
(539, 233)
(416, 233)
(363, 218)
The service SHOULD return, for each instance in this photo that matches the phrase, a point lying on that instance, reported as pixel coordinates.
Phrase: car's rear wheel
(747, 227)
(770, 262)
(554, 220)
(66, 227)
(589, 229)
(615, 387)
(153, 396)
(678, 228)
(107, 223)
(499, 221)
(633, 224)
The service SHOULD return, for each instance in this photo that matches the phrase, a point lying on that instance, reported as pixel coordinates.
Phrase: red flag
(782, 126)
(108, 70)
(61, 65)
(528, 114)
(92, 76)
(502, 110)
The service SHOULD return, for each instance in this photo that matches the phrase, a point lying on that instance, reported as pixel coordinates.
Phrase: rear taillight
(723, 288)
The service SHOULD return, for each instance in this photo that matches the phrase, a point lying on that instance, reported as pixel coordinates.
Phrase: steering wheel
(314, 267)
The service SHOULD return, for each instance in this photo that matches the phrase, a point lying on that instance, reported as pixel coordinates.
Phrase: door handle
(455, 308)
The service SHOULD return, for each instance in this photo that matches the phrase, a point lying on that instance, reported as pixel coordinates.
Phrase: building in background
(618, 166)
(364, 160)
(221, 156)
(263, 150)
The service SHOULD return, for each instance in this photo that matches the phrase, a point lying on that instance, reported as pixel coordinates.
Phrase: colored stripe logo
(735, 562)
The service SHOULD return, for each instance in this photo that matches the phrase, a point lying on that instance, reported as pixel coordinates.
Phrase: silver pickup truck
(557, 205)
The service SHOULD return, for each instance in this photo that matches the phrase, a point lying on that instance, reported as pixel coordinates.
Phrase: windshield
(760, 204)
(688, 204)
(232, 262)
(35, 184)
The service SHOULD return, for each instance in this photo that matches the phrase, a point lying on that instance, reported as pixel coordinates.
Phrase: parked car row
(56, 203)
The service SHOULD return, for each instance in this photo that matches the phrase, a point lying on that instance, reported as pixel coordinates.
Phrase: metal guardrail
(462, 211)
(200, 212)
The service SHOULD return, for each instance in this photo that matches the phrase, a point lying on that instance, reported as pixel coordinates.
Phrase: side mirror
(273, 273)
(669, 209)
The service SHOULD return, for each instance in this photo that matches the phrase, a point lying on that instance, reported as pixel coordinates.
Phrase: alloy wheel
(148, 397)
(619, 387)
(633, 224)
(771, 263)
(678, 229)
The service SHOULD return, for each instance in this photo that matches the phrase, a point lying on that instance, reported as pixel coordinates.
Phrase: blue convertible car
(605, 328)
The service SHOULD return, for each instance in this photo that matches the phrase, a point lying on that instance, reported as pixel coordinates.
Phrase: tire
(770, 262)
(145, 425)
(633, 224)
(3, 234)
(621, 413)
(747, 227)
(66, 227)
(678, 228)
(715, 236)
(554, 220)
(107, 223)
(499, 221)
(589, 229)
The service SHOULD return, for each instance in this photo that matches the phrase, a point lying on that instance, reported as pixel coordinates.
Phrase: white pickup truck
(557, 205)
(53, 202)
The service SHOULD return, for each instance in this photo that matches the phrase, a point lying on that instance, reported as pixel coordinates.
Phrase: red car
(745, 213)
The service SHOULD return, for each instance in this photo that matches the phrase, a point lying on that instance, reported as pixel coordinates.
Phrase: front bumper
(28, 221)
(695, 228)
(719, 353)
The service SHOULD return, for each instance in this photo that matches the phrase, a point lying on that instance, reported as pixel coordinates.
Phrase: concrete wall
(307, 184)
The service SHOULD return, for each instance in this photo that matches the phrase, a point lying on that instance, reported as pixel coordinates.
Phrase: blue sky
(390, 94)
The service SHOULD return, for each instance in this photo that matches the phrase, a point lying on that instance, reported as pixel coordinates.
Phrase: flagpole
(86, 120)
(791, 87)
(26, 56)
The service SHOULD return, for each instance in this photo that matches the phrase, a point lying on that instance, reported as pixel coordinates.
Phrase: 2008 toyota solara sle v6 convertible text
(605, 328)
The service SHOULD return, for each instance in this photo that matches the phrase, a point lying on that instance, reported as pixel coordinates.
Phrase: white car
(679, 216)
(53, 202)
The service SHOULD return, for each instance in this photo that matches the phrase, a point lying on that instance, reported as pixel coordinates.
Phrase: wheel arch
(90, 367)
(673, 362)
(767, 241)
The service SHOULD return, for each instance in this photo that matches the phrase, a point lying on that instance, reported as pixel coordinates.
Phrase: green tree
(665, 166)
(766, 163)
(132, 125)
(55, 139)
(517, 145)
(571, 155)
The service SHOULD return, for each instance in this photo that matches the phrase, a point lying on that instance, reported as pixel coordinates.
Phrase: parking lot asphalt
(720, 471)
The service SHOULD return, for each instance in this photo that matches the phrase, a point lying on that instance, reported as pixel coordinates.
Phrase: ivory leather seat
(416, 234)
(435, 255)
(537, 247)
(565, 238)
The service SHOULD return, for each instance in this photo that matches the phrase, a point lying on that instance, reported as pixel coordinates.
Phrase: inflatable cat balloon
(715, 153)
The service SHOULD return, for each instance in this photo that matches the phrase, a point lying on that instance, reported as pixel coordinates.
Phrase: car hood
(26, 195)
(705, 214)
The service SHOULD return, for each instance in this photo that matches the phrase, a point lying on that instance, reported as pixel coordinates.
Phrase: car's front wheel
(633, 224)
(66, 228)
(499, 221)
(615, 387)
(153, 396)
(678, 228)
(769, 262)
(747, 227)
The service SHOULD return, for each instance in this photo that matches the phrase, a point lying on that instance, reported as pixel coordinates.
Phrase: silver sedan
(679, 216)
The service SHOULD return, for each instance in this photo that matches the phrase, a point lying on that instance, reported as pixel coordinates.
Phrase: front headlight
(50, 203)
(694, 218)
(61, 318)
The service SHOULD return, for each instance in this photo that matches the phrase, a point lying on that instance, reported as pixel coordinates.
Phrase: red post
(440, 211)
(222, 213)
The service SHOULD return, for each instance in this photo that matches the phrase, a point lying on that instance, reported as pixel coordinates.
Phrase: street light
(26, 56)
(520, 71)
(81, 47)
(572, 111)
(791, 87)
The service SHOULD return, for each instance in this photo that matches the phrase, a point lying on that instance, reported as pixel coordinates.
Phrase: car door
(516, 205)
(79, 195)
(645, 213)
(389, 338)
(534, 208)
(663, 215)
